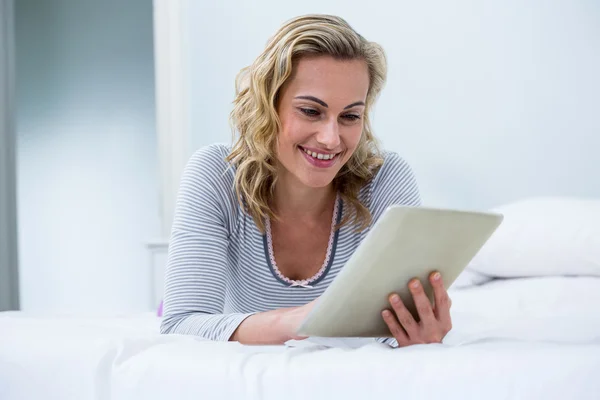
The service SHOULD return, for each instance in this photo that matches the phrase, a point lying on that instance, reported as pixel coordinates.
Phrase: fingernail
(385, 313)
(395, 299)
(414, 284)
(436, 276)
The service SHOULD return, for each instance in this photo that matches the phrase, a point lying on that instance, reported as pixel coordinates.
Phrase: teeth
(319, 155)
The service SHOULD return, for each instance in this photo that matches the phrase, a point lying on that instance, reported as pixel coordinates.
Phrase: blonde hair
(255, 119)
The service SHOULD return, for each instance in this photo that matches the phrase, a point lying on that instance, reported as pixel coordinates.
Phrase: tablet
(405, 243)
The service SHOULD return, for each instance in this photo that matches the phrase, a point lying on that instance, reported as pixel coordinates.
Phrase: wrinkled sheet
(535, 338)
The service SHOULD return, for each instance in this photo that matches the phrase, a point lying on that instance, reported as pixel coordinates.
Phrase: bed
(521, 331)
(531, 338)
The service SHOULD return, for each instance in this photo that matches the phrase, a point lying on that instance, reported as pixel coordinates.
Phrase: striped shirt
(220, 268)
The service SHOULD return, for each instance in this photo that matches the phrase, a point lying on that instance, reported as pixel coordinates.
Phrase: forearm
(269, 327)
(218, 327)
(390, 341)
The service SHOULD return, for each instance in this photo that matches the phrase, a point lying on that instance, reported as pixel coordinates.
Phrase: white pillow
(541, 237)
(469, 278)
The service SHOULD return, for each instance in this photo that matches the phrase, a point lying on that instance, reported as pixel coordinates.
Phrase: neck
(295, 200)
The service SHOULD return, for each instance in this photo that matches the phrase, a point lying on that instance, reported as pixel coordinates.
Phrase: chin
(317, 182)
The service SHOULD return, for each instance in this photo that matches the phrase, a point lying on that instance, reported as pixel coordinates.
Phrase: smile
(319, 160)
(319, 156)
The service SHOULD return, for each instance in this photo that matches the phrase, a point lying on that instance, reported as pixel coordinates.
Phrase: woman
(262, 228)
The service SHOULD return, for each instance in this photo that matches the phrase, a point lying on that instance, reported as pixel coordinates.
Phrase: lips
(319, 155)
(318, 159)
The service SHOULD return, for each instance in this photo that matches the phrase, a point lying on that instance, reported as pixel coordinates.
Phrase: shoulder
(394, 168)
(209, 179)
(393, 183)
(208, 167)
(210, 159)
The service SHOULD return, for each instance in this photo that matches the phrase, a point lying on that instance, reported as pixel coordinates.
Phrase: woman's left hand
(434, 322)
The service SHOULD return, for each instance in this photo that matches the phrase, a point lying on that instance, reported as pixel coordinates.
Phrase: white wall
(490, 101)
(87, 167)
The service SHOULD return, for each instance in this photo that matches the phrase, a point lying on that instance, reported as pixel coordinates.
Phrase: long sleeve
(395, 184)
(196, 272)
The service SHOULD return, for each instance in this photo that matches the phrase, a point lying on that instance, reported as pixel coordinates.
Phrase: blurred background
(489, 101)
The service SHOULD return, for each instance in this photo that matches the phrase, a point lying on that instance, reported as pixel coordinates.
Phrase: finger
(442, 301)
(404, 316)
(395, 328)
(422, 303)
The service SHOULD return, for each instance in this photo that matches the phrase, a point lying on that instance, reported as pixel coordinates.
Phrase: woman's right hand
(272, 327)
(293, 317)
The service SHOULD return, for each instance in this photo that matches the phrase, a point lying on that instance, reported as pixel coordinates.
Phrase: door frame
(172, 103)
(9, 269)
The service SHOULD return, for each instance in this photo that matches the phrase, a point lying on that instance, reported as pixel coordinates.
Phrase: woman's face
(321, 111)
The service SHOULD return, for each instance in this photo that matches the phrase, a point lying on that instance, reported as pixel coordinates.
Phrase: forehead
(330, 79)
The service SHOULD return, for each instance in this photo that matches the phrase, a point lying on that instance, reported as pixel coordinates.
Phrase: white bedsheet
(536, 338)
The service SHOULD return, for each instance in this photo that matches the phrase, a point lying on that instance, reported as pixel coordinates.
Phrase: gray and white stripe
(217, 270)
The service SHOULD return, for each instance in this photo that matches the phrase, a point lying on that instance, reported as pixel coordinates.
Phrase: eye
(351, 117)
(310, 112)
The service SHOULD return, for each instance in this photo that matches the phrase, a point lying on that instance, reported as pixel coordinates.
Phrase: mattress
(535, 338)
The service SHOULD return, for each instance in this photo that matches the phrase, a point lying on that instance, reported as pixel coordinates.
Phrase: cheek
(293, 132)
(352, 138)
(284, 137)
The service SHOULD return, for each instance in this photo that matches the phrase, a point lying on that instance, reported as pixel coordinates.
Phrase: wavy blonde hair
(255, 119)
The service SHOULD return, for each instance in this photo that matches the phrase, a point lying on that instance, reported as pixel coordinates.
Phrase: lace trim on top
(304, 282)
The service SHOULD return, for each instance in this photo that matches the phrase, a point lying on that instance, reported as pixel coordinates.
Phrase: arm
(196, 269)
(196, 273)
(394, 184)
(272, 327)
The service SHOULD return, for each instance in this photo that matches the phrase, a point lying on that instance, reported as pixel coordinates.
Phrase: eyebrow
(321, 102)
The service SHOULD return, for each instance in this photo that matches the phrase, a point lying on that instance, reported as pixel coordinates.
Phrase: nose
(329, 135)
